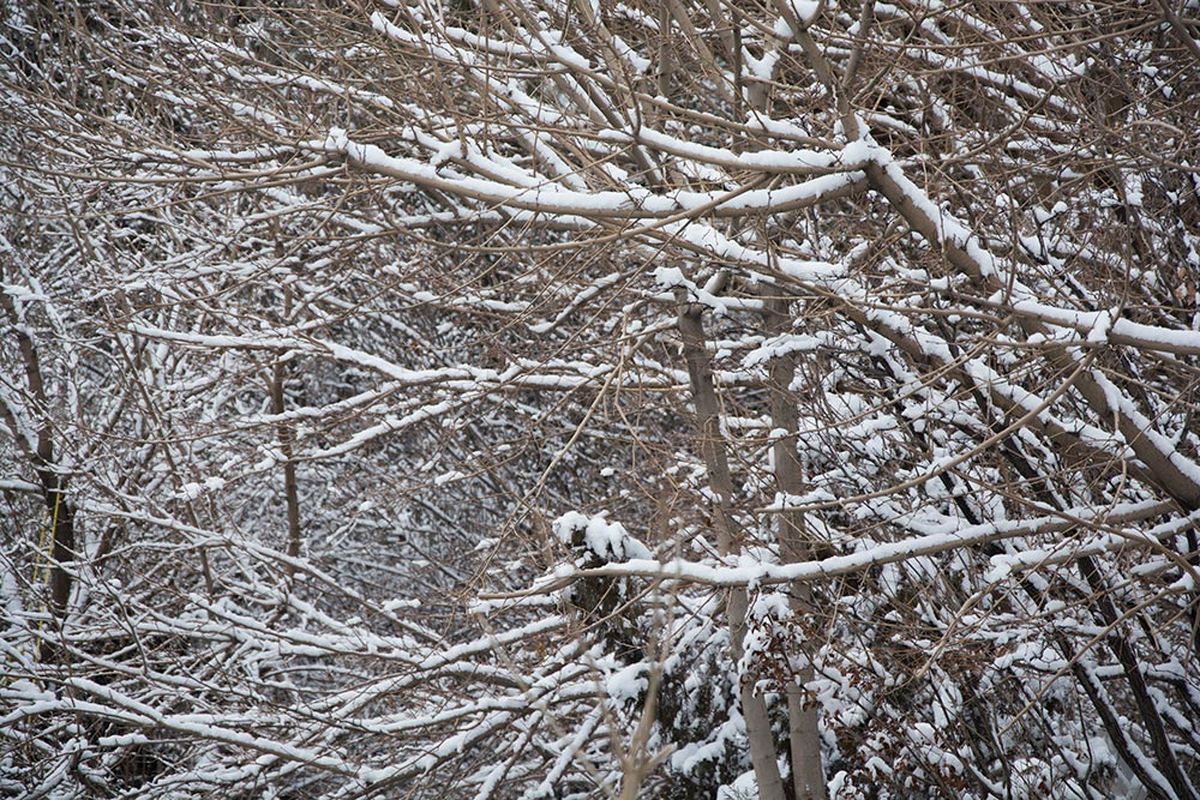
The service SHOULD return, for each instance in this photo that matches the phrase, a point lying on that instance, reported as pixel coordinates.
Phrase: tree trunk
(712, 447)
(795, 545)
(39, 449)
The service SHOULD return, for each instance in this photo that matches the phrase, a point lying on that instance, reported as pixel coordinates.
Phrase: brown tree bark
(795, 545)
(40, 452)
(716, 462)
(286, 447)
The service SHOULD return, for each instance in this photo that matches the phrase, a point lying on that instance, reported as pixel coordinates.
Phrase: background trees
(573, 399)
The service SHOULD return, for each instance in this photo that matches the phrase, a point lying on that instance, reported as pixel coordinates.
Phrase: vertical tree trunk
(39, 448)
(795, 545)
(62, 522)
(716, 462)
(286, 438)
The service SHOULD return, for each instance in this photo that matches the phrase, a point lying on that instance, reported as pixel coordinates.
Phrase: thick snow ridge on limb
(546, 197)
(764, 574)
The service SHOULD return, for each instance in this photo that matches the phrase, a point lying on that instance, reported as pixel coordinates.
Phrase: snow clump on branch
(609, 541)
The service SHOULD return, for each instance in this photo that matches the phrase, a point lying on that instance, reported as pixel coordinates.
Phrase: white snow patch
(608, 540)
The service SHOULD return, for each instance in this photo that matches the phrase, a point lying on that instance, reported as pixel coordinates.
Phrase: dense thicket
(600, 398)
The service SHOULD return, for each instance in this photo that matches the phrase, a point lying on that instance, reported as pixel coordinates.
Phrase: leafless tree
(600, 398)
